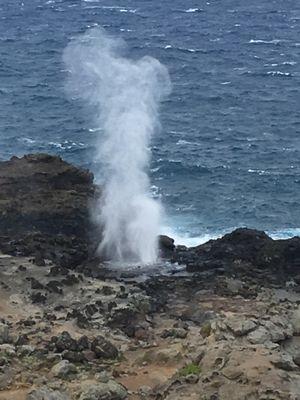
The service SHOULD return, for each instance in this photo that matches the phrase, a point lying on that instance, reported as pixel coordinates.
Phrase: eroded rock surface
(44, 209)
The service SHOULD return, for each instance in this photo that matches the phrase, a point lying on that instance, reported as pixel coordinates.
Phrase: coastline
(216, 321)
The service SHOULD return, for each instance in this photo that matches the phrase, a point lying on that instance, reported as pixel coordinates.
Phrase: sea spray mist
(127, 94)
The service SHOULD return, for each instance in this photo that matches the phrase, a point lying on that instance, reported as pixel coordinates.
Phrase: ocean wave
(276, 42)
(258, 171)
(92, 130)
(279, 73)
(192, 10)
(267, 73)
(184, 49)
(27, 140)
(189, 240)
(183, 142)
(66, 145)
(285, 233)
(289, 63)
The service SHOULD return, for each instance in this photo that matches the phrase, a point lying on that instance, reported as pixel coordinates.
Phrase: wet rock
(245, 252)
(166, 245)
(110, 390)
(45, 393)
(103, 348)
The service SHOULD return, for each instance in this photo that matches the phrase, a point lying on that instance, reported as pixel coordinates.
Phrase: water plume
(126, 94)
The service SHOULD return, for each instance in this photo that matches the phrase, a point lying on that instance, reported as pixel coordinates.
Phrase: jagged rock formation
(44, 208)
(244, 252)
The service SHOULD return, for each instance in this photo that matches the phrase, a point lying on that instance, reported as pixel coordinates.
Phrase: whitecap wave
(183, 142)
(26, 140)
(285, 233)
(260, 41)
(278, 73)
(192, 10)
(289, 63)
(188, 240)
(127, 10)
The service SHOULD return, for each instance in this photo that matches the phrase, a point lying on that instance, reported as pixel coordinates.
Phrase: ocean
(227, 153)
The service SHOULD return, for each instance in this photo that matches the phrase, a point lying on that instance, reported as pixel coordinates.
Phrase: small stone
(192, 378)
(145, 392)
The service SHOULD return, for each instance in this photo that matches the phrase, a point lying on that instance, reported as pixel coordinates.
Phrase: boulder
(245, 252)
(166, 245)
(63, 369)
(110, 390)
(103, 348)
(45, 393)
(240, 326)
(64, 341)
(44, 209)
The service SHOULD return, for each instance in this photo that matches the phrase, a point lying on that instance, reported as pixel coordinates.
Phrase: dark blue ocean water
(228, 153)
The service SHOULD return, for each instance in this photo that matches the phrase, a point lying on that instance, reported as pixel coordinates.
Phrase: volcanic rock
(104, 391)
(245, 252)
(44, 209)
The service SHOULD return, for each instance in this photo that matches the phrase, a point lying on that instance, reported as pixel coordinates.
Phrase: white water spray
(127, 94)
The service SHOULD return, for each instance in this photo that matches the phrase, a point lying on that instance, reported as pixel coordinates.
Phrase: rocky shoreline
(220, 321)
